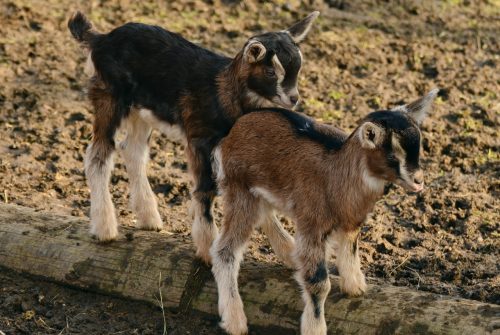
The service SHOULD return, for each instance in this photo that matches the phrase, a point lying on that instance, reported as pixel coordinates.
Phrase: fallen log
(139, 264)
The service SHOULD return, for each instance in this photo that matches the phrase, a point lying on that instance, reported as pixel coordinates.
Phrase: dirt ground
(33, 307)
(359, 56)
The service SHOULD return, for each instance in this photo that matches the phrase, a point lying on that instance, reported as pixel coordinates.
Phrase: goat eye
(270, 72)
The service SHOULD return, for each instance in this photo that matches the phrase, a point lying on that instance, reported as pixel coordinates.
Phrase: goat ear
(370, 135)
(300, 29)
(254, 51)
(419, 108)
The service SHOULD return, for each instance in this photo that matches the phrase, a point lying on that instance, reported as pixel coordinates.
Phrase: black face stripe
(401, 125)
(281, 45)
(410, 142)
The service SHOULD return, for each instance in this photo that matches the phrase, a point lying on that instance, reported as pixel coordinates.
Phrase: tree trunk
(136, 266)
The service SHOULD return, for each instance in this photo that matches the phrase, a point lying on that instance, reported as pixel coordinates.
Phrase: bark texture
(136, 266)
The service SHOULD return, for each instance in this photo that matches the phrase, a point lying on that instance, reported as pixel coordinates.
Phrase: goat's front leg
(204, 230)
(312, 275)
(136, 155)
(352, 280)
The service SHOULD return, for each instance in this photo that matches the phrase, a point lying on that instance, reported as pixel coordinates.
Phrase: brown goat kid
(325, 180)
(145, 77)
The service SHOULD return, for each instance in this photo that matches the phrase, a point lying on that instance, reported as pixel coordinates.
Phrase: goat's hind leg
(282, 242)
(312, 275)
(241, 215)
(99, 163)
(98, 166)
(135, 150)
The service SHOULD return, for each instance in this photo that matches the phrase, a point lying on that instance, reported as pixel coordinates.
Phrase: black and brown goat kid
(146, 77)
(325, 180)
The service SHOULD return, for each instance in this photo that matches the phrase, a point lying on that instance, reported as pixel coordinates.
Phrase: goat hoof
(104, 233)
(150, 222)
(353, 287)
(150, 225)
(238, 326)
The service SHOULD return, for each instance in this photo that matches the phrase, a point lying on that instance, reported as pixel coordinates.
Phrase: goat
(326, 181)
(146, 77)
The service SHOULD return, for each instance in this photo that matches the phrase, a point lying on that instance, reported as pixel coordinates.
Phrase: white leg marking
(308, 256)
(309, 323)
(103, 222)
(203, 232)
(136, 155)
(217, 164)
(352, 280)
(225, 271)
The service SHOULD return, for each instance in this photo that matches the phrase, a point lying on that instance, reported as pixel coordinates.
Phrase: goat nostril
(294, 99)
(418, 177)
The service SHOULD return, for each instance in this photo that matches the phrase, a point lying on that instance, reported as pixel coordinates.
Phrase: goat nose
(293, 99)
(418, 177)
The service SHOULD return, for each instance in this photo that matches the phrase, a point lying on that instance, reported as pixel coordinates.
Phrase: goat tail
(81, 28)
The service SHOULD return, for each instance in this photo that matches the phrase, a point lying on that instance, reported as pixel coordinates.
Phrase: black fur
(79, 27)
(147, 66)
(403, 125)
(392, 121)
(317, 307)
(144, 66)
(355, 246)
(320, 275)
(307, 127)
(281, 45)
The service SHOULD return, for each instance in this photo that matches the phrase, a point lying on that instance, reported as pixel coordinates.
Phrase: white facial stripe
(280, 72)
(278, 68)
(398, 149)
(283, 97)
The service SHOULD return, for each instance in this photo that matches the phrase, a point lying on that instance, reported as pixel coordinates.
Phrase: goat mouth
(409, 186)
(279, 101)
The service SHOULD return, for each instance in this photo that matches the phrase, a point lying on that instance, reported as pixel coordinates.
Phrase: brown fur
(104, 108)
(230, 86)
(323, 179)
(312, 208)
(182, 89)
